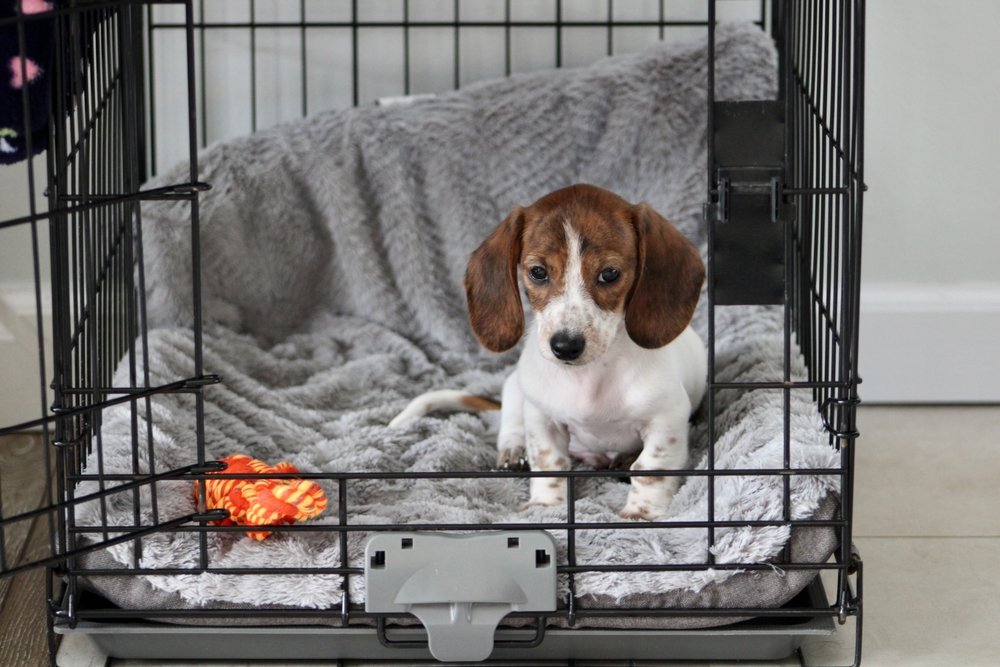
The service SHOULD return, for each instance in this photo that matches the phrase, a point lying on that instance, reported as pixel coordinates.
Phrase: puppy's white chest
(598, 408)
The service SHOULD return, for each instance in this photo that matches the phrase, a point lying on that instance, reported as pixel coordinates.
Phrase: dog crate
(117, 92)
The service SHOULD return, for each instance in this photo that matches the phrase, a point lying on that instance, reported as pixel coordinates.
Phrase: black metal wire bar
(829, 255)
(69, 175)
(196, 324)
(562, 569)
(477, 527)
(805, 150)
(70, 556)
(60, 298)
(138, 389)
(90, 202)
(786, 433)
(345, 611)
(125, 344)
(456, 60)
(354, 25)
(497, 474)
(435, 24)
(840, 234)
(253, 63)
(173, 475)
(360, 614)
(150, 44)
(710, 167)
(203, 78)
(572, 474)
(854, 16)
(129, 39)
(793, 46)
(94, 325)
(571, 547)
(144, 342)
(79, 410)
(610, 45)
(303, 60)
(506, 38)
(63, 253)
(406, 46)
(559, 33)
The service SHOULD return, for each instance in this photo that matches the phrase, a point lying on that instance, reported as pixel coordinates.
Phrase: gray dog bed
(333, 250)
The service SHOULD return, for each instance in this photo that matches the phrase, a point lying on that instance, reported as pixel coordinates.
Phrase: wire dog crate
(783, 212)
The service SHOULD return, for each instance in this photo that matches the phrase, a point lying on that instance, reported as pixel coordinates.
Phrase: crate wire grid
(106, 147)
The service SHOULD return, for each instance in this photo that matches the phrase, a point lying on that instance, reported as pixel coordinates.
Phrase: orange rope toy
(261, 502)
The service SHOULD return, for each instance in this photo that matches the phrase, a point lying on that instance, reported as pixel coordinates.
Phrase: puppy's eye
(538, 274)
(608, 275)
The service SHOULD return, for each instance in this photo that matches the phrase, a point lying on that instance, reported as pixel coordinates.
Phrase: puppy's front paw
(649, 497)
(634, 513)
(547, 491)
(514, 459)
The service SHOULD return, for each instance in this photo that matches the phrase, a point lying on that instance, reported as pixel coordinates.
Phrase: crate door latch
(460, 586)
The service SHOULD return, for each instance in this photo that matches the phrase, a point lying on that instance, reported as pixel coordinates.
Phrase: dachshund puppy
(611, 370)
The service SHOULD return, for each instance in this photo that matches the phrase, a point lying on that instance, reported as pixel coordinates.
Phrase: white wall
(20, 393)
(931, 295)
(931, 275)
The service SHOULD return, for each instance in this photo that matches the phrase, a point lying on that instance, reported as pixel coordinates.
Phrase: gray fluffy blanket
(333, 250)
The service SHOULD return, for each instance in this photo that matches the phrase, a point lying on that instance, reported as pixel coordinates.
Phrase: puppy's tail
(444, 399)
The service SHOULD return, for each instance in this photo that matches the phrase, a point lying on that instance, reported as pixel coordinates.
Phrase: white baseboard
(930, 343)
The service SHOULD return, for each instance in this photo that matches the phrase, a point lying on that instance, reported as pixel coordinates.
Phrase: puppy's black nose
(567, 347)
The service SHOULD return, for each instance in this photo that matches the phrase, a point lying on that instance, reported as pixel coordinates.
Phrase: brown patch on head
(609, 247)
(555, 484)
(544, 247)
(603, 222)
(647, 480)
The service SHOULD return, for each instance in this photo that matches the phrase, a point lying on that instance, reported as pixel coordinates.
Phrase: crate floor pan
(772, 638)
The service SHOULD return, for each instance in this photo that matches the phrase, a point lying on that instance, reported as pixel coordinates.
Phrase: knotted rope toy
(261, 502)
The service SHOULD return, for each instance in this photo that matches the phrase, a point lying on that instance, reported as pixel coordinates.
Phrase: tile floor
(928, 528)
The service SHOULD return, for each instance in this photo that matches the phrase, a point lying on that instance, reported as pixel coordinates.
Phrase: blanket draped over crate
(333, 250)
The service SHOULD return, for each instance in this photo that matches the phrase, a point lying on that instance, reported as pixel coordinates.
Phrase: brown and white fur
(611, 368)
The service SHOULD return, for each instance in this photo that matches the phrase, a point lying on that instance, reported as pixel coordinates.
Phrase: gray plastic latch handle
(460, 586)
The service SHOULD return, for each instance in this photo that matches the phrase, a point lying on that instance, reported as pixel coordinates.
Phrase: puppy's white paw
(547, 491)
(649, 497)
(641, 512)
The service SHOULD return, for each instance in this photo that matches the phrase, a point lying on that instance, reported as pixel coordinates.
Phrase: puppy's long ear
(669, 281)
(495, 309)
